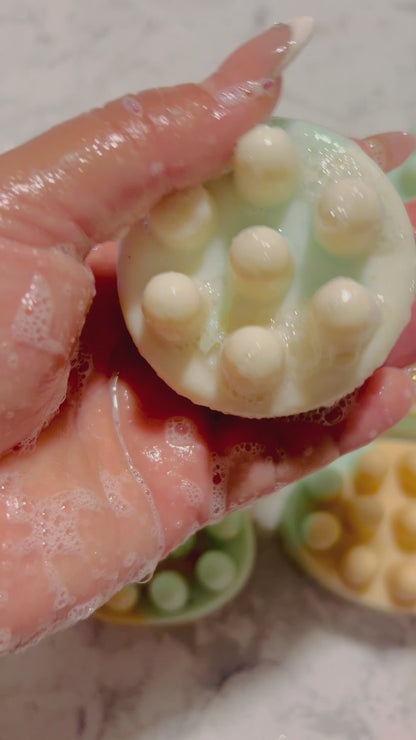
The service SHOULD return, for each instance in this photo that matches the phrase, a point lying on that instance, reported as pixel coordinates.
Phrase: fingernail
(301, 29)
(391, 149)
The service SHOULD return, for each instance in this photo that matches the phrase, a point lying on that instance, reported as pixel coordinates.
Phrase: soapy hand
(92, 496)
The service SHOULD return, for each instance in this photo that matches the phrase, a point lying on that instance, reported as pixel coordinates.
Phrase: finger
(282, 451)
(44, 297)
(411, 212)
(84, 180)
(403, 353)
(382, 402)
(388, 150)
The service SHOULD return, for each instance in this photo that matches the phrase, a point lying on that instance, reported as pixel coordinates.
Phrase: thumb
(84, 180)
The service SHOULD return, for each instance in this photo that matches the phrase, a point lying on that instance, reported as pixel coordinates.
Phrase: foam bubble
(112, 487)
(69, 249)
(28, 444)
(62, 598)
(5, 640)
(145, 574)
(246, 450)
(158, 531)
(137, 571)
(132, 105)
(331, 415)
(81, 369)
(53, 522)
(220, 468)
(85, 610)
(180, 432)
(129, 560)
(192, 492)
(33, 319)
(4, 597)
(242, 458)
(13, 360)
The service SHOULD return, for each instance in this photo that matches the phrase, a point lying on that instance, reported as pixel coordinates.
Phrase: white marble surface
(284, 659)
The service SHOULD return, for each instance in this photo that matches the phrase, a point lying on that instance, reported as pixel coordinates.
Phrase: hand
(127, 469)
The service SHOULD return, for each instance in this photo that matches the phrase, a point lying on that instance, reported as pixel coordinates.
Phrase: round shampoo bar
(279, 287)
(197, 578)
(361, 544)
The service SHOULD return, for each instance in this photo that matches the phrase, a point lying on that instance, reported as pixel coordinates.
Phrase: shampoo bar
(279, 287)
(352, 526)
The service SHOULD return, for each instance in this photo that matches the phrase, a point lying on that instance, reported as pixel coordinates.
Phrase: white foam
(246, 450)
(129, 560)
(220, 468)
(62, 598)
(180, 431)
(13, 360)
(81, 369)
(4, 598)
(54, 521)
(158, 531)
(85, 610)
(33, 319)
(112, 487)
(331, 415)
(5, 640)
(192, 492)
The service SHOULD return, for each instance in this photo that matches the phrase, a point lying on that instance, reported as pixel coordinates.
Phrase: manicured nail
(301, 29)
(389, 150)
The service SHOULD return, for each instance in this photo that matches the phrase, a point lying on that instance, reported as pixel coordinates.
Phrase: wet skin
(127, 469)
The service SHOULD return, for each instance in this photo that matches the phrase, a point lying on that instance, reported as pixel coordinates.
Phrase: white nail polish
(301, 28)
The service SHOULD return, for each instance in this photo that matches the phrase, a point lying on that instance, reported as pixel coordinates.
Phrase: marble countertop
(284, 659)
